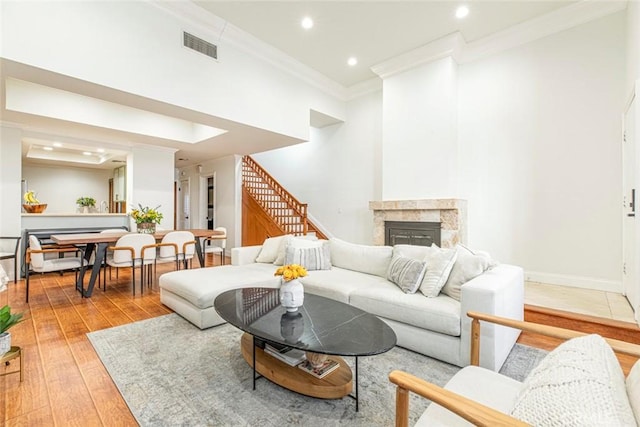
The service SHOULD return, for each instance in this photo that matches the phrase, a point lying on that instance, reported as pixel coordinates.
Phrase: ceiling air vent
(199, 45)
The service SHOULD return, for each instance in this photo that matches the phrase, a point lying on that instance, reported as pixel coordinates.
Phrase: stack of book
(288, 355)
(321, 371)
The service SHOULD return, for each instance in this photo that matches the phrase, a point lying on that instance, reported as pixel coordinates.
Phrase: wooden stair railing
(286, 211)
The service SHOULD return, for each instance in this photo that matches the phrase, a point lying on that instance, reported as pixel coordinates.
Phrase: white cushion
(295, 241)
(412, 251)
(633, 389)
(440, 314)
(478, 384)
(407, 273)
(362, 258)
(439, 264)
(469, 264)
(580, 383)
(270, 247)
(311, 258)
(200, 286)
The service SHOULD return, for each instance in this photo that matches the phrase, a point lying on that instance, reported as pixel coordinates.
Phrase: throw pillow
(580, 383)
(311, 258)
(296, 241)
(363, 258)
(469, 264)
(269, 250)
(439, 263)
(412, 251)
(407, 273)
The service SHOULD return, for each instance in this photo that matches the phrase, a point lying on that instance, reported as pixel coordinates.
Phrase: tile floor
(609, 305)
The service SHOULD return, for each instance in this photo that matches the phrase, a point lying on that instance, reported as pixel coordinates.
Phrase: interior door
(185, 205)
(630, 284)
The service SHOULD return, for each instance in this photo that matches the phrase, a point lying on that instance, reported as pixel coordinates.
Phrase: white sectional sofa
(436, 326)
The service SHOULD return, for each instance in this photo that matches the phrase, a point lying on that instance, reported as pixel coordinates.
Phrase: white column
(10, 191)
(150, 177)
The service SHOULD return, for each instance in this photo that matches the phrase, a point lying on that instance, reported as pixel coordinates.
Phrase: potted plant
(32, 204)
(146, 218)
(86, 202)
(7, 320)
(291, 289)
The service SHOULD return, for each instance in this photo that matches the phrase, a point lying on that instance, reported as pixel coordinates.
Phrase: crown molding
(554, 22)
(364, 88)
(449, 45)
(455, 46)
(223, 32)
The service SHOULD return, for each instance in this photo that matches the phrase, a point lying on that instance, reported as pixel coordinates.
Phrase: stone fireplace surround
(450, 213)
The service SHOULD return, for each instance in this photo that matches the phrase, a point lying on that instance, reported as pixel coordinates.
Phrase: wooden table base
(334, 386)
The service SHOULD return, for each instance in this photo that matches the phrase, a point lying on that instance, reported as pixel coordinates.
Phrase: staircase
(286, 213)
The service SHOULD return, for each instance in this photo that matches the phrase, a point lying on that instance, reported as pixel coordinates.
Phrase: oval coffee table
(321, 325)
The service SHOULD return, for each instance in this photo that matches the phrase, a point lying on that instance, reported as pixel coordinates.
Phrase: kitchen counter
(72, 219)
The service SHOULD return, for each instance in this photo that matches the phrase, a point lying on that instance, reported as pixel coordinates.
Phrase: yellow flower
(290, 272)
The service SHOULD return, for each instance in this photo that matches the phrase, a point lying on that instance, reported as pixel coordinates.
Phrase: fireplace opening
(411, 233)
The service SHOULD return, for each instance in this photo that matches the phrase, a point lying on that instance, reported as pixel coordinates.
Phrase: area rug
(171, 373)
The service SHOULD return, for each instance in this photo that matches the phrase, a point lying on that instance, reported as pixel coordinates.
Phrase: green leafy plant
(146, 214)
(7, 319)
(86, 201)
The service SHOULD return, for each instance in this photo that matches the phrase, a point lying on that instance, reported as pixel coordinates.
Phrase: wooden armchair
(469, 409)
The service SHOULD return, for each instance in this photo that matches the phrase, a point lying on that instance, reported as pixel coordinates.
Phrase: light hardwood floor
(65, 383)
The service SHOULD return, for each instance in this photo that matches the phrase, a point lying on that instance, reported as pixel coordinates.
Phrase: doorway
(185, 205)
(630, 284)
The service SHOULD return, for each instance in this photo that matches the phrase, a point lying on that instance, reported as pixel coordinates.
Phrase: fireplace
(449, 214)
(411, 233)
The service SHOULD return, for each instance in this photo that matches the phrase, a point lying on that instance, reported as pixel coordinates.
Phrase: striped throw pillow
(407, 273)
(313, 258)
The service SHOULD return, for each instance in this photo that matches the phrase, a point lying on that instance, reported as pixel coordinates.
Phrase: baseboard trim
(575, 281)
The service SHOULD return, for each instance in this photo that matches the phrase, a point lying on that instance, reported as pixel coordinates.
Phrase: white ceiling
(370, 30)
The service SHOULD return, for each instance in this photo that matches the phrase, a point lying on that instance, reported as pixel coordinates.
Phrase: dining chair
(104, 259)
(36, 261)
(216, 243)
(133, 250)
(11, 255)
(178, 247)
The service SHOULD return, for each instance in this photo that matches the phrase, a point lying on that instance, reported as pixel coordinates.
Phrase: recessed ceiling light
(352, 61)
(307, 23)
(86, 153)
(57, 144)
(100, 150)
(462, 11)
(47, 148)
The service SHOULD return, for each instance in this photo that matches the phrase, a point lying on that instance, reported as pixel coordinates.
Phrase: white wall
(633, 46)
(539, 157)
(540, 154)
(137, 47)
(150, 181)
(338, 171)
(227, 186)
(10, 197)
(419, 154)
(60, 186)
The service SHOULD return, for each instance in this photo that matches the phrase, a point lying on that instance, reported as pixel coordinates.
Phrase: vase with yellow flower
(291, 289)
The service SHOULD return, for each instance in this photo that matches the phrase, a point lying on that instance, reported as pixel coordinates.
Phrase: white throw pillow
(411, 251)
(296, 241)
(439, 263)
(407, 273)
(469, 264)
(270, 247)
(317, 257)
(580, 383)
(363, 258)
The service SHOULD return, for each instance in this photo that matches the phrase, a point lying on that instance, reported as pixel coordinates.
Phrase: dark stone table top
(321, 325)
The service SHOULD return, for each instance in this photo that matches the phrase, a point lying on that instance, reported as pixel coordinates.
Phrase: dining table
(96, 243)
